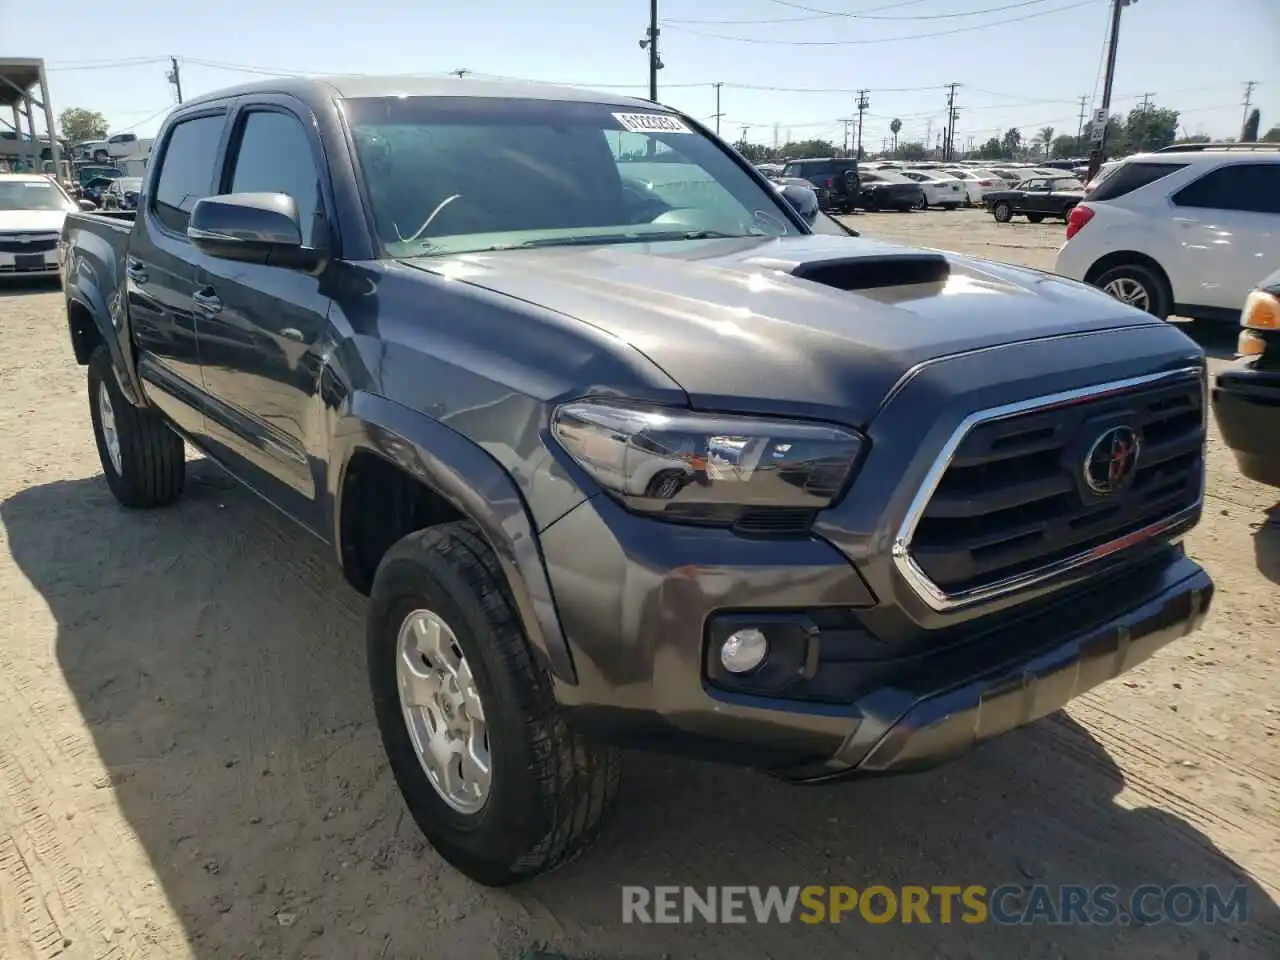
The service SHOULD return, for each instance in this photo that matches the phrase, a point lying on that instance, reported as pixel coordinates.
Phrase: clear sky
(1021, 63)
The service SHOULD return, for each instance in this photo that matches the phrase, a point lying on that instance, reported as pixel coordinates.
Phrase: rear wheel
(1138, 286)
(1002, 212)
(143, 460)
(922, 203)
(488, 767)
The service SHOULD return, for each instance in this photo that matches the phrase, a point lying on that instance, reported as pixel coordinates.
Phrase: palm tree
(894, 126)
(1046, 138)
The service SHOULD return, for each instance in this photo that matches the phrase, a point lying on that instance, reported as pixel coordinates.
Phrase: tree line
(1142, 130)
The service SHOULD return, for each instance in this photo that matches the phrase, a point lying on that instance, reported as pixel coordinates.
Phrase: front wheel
(488, 767)
(143, 460)
(1002, 212)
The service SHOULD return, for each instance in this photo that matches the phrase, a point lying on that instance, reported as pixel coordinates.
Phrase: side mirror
(803, 200)
(87, 205)
(250, 227)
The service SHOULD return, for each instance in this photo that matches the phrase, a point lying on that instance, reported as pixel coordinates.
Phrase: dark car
(122, 194)
(657, 467)
(887, 190)
(95, 188)
(1246, 396)
(1036, 199)
(834, 180)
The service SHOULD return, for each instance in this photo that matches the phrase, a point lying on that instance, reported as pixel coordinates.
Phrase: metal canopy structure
(24, 89)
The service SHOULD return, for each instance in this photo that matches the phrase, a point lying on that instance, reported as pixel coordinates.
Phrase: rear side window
(1129, 177)
(275, 157)
(186, 172)
(1251, 187)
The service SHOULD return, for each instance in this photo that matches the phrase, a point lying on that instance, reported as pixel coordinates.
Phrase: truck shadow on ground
(1266, 545)
(216, 657)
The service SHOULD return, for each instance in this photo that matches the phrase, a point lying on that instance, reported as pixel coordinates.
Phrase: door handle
(207, 300)
(136, 271)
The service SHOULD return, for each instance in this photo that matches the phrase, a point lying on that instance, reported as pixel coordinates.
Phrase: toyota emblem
(1112, 461)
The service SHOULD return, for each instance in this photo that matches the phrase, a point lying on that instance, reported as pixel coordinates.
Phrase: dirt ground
(189, 766)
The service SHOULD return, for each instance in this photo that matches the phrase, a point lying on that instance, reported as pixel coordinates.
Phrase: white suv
(1186, 231)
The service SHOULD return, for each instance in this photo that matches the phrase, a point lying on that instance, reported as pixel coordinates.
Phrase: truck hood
(731, 322)
(31, 221)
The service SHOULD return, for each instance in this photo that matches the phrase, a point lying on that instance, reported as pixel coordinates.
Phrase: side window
(1129, 177)
(186, 171)
(275, 157)
(1252, 187)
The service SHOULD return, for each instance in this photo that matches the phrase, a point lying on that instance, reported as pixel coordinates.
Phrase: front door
(263, 329)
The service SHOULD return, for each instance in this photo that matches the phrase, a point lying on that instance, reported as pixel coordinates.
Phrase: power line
(864, 15)
(914, 36)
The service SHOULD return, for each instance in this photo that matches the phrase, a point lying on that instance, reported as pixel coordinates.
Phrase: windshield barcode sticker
(651, 123)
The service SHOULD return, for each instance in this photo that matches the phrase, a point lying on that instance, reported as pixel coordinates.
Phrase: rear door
(1227, 226)
(162, 266)
(263, 329)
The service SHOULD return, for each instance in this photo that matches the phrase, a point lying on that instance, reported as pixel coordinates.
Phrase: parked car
(122, 194)
(1186, 233)
(946, 192)
(116, 146)
(889, 190)
(1036, 199)
(979, 181)
(94, 189)
(835, 180)
(910, 514)
(1246, 396)
(972, 192)
(32, 209)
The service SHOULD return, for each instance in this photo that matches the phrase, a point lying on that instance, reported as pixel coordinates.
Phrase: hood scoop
(879, 270)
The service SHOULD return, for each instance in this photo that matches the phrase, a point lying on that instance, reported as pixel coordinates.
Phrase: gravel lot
(189, 766)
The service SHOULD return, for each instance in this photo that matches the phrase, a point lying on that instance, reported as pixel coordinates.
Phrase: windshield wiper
(636, 238)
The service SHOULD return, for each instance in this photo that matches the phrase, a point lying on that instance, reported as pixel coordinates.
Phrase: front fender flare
(476, 486)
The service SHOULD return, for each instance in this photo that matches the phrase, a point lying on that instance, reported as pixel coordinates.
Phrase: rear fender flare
(477, 486)
(85, 295)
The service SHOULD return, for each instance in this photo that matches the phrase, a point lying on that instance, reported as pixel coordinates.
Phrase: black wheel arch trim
(476, 485)
(87, 297)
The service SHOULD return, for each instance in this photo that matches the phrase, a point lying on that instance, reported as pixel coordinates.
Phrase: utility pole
(1146, 103)
(650, 42)
(1099, 151)
(1084, 106)
(1248, 102)
(928, 134)
(745, 128)
(174, 76)
(718, 114)
(948, 144)
(863, 105)
(845, 123)
(776, 127)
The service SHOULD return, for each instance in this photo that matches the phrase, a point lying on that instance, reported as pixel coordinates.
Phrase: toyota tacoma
(627, 452)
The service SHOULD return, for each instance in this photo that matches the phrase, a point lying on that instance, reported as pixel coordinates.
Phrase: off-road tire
(551, 789)
(153, 463)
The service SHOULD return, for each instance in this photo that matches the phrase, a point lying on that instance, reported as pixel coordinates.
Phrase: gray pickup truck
(627, 453)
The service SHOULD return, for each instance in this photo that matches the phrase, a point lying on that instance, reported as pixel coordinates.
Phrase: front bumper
(42, 263)
(639, 601)
(1246, 404)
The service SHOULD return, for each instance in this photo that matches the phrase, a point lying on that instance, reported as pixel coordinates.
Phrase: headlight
(706, 468)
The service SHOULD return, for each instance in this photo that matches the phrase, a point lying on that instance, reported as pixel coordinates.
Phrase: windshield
(130, 184)
(32, 195)
(447, 175)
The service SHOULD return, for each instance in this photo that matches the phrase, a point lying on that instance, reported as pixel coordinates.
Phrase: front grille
(12, 244)
(1015, 497)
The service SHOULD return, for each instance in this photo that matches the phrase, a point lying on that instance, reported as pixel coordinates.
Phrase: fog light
(744, 650)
